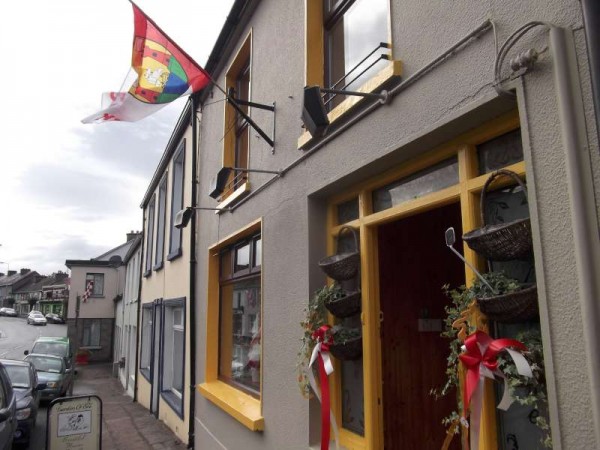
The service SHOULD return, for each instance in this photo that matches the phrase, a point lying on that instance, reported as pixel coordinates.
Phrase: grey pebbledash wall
(456, 96)
(102, 353)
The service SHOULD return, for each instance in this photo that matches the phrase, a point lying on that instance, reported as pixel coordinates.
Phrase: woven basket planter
(342, 266)
(501, 242)
(517, 306)
(346, 306)
(348, 351)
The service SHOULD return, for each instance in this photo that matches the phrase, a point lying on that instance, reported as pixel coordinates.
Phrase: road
(16, 337)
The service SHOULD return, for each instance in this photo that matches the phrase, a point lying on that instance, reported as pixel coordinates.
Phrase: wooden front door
(414, 264)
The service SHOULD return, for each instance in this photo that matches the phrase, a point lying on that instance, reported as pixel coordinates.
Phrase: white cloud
(70, 190)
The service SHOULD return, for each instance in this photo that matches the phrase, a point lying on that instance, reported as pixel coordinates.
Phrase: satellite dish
(115, 261)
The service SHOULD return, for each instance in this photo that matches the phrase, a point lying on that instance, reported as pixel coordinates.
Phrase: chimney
(133, 234)
(11, 273)
(24, 271)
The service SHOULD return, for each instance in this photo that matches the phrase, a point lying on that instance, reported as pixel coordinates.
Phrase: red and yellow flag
(164, 73)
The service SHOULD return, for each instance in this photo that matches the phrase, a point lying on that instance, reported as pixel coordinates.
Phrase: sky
(69, 190)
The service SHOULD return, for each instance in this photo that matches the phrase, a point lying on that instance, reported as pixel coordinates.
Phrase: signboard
(75, 423)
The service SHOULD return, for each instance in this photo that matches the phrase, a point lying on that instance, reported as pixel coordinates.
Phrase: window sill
(91, 347)
(393, 70)
(147, 273)
(238, 193)
(176, 254)
(158, 266)
(175, 402)
(146, 374)
(243, 407)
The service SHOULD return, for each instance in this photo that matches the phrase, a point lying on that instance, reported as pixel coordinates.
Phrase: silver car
(36, 318)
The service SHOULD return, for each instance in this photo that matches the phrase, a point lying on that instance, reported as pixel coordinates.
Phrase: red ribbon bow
(482, 349)
(322, 336)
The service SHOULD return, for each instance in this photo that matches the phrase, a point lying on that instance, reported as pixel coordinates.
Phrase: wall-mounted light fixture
(219, 182)
(182, 218)
(314, 114)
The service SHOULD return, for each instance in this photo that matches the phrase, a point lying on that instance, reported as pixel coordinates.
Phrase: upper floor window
(160, 224)
(177, 201)
(353, 33)
(149, 235)
(98, 279)
(237, 131)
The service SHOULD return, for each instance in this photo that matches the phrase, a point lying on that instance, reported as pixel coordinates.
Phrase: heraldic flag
(164, 73)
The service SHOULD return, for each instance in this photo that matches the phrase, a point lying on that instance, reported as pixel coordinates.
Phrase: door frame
(466, 192)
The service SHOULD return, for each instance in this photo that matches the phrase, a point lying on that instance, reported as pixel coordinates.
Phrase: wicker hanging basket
(513, 307)
(348, 351)
(342, 266)
(501, 242)
(347, 305)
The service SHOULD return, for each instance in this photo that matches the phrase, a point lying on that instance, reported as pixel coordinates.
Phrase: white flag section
(123, 107)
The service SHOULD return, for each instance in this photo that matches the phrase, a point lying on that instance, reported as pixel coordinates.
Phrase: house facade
(28, 296)
(55, 294)
(470, 88)
(12, 282)
(91, 322)
(126, 319)
(164, 363)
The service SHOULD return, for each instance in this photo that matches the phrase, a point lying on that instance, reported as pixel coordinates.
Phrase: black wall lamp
(314, 114)
(182, 218)
(219, 182)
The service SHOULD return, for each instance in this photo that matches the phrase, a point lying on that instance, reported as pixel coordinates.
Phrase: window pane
(160, 225)
(433, 179)
(146, 338)
(500, 152)
(242, 258)
(178, 357)
(149, 236)
(347, 211)
(240, 339)
(351, 38)
(225, 265)
(257, 252)
(177, 199)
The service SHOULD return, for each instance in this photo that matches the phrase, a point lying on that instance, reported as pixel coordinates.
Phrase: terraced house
(421, 117)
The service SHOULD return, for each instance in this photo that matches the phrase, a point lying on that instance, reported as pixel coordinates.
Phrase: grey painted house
(399, 172)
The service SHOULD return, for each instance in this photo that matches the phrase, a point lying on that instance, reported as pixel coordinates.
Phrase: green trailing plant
(525, 391)
(340, 334)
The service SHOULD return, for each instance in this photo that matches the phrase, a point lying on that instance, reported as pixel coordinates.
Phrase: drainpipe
(192, 296)
(591, 21)
(581, 192)
(139, 309)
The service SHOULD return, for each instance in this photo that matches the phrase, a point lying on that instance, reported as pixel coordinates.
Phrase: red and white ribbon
(321, 354)
(480, 358)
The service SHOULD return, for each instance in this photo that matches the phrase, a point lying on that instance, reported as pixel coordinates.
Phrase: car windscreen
(45, 364)
(19, 376)
(50, 348)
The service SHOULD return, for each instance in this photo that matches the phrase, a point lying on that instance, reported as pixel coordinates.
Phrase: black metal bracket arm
(236, 105)
(382, 96)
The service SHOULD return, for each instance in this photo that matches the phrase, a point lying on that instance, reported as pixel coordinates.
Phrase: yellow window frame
(242, 56)
(466, 192)
(314, 57)
(240, 405)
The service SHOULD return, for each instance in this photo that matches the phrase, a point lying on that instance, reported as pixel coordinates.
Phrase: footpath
(125, 424)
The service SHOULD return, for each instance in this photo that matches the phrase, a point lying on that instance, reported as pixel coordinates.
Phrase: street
(16, 337)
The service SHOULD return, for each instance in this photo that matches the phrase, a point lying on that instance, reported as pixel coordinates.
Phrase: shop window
(149, 236)
(500, 152)
(234, 332)
(432, 179)
(237, 131)
(91, 333)
(177, 201)
(173, 362)
(160, 224)
(146, 341)
(354, 30)
(98, 279)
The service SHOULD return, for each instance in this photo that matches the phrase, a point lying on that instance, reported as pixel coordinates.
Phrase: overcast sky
(69, 190)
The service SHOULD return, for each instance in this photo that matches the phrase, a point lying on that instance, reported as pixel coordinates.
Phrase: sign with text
(75, 423)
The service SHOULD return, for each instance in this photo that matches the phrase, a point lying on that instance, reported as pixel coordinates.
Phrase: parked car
(8, 411)
(54, 318)
(36, 318)
(56, 346)
(52, 371)
(8, 312)
(24, 382)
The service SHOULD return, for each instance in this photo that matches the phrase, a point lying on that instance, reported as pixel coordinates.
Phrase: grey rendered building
(399, 174)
